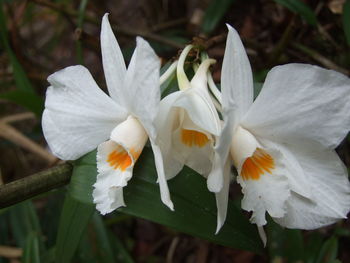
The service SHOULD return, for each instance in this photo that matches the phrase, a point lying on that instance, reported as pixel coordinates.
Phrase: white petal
(175, 113)
(115, 162)
(200, 108)
(142, 85)
(299, 102)
(163, 185)
(268, 192)
(330, 188)
(166, 119)
(192, 145)
(108, 189)
(222, 197)
(222, 148)
(113, 62)
(236, 76)
(78, 115)
(262, 235)
(299, 182)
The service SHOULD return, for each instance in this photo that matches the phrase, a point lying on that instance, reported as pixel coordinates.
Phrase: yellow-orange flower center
(120, 159)
(256, 165)
(193, 138)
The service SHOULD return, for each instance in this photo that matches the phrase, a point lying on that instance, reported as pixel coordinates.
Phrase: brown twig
(172, 248)
(13, 135)
(35, 184)
(10, 252)
(320, 59)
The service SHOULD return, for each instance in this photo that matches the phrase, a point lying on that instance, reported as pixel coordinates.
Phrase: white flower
(283, 144)
(188, 122)
(79, 117)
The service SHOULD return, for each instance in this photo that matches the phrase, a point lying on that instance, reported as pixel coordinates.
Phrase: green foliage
(214, 13)
(194, 204)
(329, 251)
(27, 99)
(300, 8)
(31, 251)
(75, 217)
(346, 20)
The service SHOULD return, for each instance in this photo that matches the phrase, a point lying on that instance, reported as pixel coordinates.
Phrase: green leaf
(195, 208)
(214, 13)
(27, 99)
(329, 251)
(31, 250)
(103, 245)
(300, 8)
(21, 79)
(346, 20)
(83, 177)
(24, 221)
(74, 219)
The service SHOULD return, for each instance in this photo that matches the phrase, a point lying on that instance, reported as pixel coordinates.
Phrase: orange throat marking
(119, 158)
(256, 165)
(193, 138)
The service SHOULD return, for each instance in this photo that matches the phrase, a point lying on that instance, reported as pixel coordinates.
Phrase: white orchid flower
(188, 122)
(79, 117)
(283, 144)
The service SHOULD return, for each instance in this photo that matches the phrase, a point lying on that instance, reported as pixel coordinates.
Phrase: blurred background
(39, 37)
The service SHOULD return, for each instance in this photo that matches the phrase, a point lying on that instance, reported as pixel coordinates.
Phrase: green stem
(33, 185)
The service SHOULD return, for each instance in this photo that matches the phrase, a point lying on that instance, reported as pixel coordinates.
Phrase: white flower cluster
(282, 144)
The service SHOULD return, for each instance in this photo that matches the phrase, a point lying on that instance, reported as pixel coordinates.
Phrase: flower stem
(33, 185)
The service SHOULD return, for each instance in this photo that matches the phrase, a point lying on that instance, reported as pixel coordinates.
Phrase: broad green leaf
(27, 99)
(31, 252)
(83, 177)
(214, 13)
(24, 221)
(329, 251)
(21, 79)
(346, 20)
(195, 208)
(75, 217)
(300, 8)
(103, 244)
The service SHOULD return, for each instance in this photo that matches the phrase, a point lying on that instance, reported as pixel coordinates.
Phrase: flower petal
(222, 148)
(300, 102)
(142, 85)
(115, 162)
(264, 185)
(222, 197)
(192, 145)
(108, 189)
(329, 185)
(236, 76)
(78, 115)
(163, 185)
(113, 62)
(200, 109)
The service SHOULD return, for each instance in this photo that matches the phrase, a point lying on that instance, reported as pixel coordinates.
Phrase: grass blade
(74, 219)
